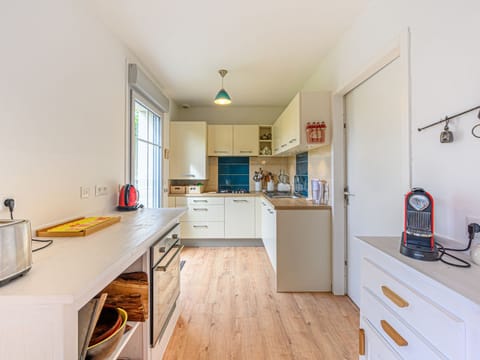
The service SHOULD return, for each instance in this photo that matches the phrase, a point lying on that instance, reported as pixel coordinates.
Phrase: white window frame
(136, 97)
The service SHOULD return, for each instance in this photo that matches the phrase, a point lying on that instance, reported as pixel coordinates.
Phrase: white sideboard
(411, 309)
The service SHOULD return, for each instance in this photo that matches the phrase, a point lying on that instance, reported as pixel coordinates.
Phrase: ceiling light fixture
(222, 97)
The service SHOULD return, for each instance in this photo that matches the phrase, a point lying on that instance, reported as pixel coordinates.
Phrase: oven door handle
(165, 267)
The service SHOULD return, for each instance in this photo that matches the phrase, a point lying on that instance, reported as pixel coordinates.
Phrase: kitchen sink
(280, 195)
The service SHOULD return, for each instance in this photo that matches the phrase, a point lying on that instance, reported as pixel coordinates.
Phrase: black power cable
(10, 204)
(49, 242)
(472, 229)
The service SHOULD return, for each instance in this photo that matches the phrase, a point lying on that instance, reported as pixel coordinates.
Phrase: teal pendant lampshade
(222, 97)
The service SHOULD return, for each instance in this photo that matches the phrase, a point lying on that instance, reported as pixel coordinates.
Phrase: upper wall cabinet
(236, 140)
(245, 140)
(290, 129)
(220, 140)
(188, 150)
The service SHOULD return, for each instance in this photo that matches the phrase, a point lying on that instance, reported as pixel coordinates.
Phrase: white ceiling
(269, 47)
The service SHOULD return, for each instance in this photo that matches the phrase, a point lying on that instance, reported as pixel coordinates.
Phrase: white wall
(445, 70)
(62, 110)
(229, 114)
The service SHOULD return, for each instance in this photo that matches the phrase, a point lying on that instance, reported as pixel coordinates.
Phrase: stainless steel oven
(164, 281)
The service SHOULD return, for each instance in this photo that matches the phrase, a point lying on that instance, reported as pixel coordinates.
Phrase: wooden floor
(230, 310)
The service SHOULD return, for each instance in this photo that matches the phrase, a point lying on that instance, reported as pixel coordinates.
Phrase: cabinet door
(240, 217)
(188, 150)
(269, 232)
(220, 140)
(258, 217)
(245, 140)
(292, 123)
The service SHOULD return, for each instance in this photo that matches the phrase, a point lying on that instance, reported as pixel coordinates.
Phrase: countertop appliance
(164, 281)
(417, 238)
(15, 249)
(128, 198)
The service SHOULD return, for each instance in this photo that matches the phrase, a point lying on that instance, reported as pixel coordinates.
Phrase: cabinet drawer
(205, 201)
(377, 347)
(204, 213)
(409, 344)
(442, 329)
(202, 229)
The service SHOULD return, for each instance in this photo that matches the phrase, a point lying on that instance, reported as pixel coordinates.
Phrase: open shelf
(265, 140)
(125, 338)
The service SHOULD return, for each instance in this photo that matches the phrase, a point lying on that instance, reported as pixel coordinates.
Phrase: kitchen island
(39, 311)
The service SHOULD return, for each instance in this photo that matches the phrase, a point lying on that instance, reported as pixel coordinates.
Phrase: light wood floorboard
(230, 310)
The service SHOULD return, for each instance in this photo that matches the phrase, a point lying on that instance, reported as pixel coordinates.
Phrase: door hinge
(344, 125)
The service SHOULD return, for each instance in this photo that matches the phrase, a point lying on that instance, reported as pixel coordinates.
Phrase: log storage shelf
(78, 227)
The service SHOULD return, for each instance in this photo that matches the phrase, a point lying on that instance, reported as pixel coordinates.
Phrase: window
(146, 156)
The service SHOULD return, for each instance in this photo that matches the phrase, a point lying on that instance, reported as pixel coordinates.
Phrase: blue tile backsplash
(233, 173)
(301, 174)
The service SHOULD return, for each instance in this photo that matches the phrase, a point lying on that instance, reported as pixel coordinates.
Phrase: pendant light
(222, 97)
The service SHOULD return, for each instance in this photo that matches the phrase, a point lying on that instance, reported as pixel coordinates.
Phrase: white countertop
(73, 270)
(466, 282)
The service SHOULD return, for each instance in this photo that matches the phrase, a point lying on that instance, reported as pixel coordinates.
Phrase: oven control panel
(161, 247)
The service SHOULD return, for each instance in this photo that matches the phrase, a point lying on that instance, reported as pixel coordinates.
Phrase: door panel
(374, 143)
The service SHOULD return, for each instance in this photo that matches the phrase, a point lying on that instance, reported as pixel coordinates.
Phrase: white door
(375, 142)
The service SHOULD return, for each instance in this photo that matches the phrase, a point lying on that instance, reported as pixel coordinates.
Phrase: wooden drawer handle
(394, 335)
(361, 342)
(394, 297)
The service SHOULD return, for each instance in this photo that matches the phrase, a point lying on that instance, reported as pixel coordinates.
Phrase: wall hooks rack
(448, 118)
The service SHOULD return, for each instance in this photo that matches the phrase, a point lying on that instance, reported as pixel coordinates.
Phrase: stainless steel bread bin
(15, 249)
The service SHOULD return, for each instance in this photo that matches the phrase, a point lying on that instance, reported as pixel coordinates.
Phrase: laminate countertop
(278, 204)
(464, 281)
(74, 269)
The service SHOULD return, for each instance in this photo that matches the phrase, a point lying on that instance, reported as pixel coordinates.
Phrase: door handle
(200, 209)
(245, 151)
(346, 196)
(237, 201)
(221, 152)
(165, 267)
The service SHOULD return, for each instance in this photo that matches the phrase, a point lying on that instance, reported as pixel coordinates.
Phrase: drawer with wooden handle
(440, 327)
(375, 346)
(404, 340)
(202, 230)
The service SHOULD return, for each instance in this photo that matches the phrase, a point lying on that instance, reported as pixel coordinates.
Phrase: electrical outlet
(84, 192)
(472, 219)
(4, 197)
(101, 190)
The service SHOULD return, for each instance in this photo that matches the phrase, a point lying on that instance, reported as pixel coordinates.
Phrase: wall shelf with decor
(265, 140)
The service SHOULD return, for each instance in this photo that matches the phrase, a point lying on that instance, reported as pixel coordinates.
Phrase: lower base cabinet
(218, 217)
(406, 314)
(298, 244)
(269, 232)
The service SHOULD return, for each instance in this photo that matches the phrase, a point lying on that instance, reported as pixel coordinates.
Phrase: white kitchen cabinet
(204, 219)
(258, 217)
(298, 244)
(220, 140)
(239, 217)
(414, 309)
(233, 140)
(245, 140)
(289, 134)
(188, 150)
(269, 232)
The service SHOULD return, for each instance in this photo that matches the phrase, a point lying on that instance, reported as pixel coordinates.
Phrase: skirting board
(222, 242)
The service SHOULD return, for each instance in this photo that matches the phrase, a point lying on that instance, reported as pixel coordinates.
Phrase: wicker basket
(130, 292)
